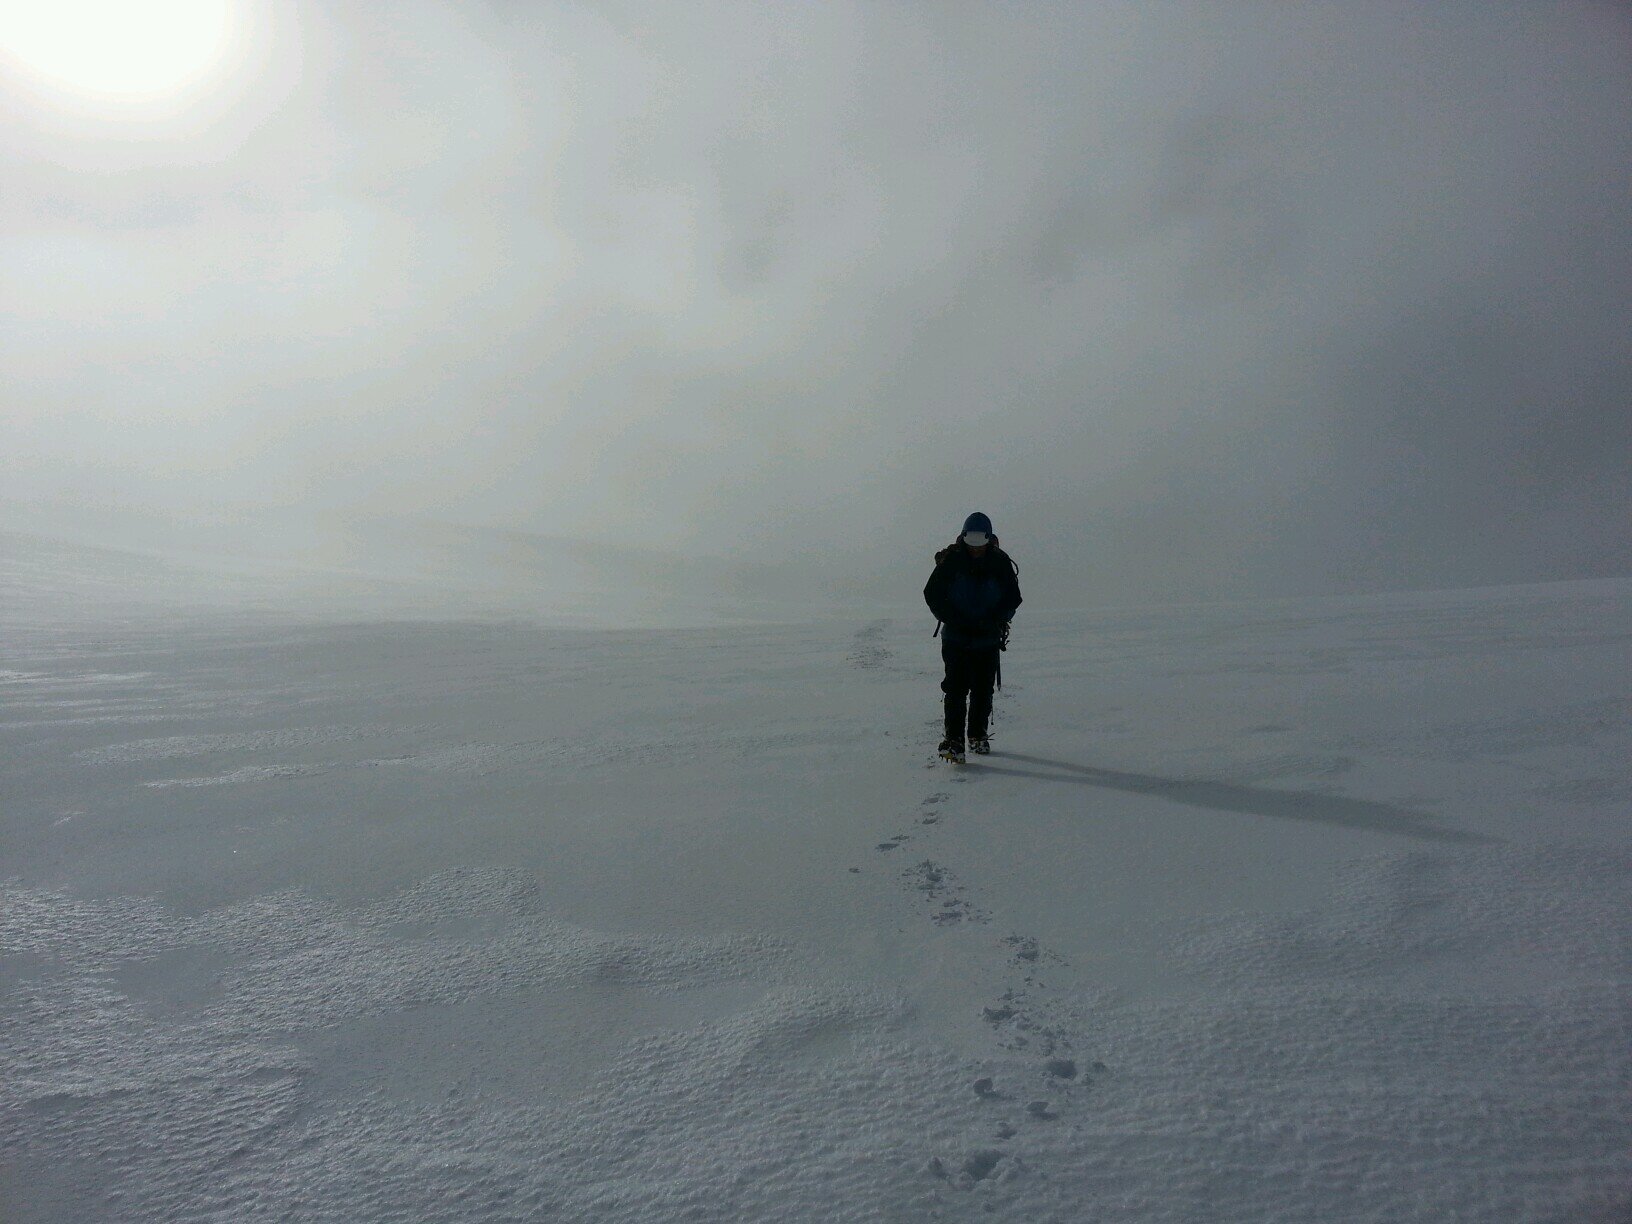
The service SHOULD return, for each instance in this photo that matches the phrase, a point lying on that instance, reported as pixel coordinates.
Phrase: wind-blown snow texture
(1269, 912)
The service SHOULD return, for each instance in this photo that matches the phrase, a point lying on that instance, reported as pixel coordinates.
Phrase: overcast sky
(1192, 300)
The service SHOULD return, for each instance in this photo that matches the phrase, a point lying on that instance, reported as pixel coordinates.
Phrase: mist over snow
(1196, 301)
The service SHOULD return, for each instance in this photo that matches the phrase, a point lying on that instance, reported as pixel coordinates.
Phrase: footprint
(1029, 956)
(1061, 1068)
(944, 893)
(866, 652)
(977, 1166)
(1016, 1027)
(1025, 947)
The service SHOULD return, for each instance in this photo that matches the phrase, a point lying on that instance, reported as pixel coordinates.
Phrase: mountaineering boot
(980, 744)
(951, 750)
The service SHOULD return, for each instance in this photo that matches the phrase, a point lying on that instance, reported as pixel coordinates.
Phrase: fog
(1196, 302)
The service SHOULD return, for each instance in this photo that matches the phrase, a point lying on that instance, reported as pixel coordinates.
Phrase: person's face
(977, 550)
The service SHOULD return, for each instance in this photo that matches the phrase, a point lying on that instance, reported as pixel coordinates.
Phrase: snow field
(1267, 912)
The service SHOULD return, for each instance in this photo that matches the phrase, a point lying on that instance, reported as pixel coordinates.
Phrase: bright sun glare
(119, 52)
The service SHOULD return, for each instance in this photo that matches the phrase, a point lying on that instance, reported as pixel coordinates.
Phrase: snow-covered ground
(1300, 912)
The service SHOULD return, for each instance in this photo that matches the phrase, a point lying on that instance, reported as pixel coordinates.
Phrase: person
(974, 593)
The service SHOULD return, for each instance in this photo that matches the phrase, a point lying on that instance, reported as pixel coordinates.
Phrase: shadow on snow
(1228, 797)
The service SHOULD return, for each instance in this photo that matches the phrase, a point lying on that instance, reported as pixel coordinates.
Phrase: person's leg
(982, 675)
(956, 688)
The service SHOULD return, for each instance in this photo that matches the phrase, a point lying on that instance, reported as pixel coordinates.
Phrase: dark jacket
(974, 597)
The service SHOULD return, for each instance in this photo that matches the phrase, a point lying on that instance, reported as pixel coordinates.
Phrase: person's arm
(1011, 586)
(935, 594)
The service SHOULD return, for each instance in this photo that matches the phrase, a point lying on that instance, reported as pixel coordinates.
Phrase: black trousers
(970, 675)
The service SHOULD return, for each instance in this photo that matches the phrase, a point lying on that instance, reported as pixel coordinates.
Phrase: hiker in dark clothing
(973, 592)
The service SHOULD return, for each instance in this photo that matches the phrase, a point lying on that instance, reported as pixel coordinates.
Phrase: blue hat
(977, 522)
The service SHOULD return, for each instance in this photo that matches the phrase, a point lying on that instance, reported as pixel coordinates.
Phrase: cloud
(1195, 301)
